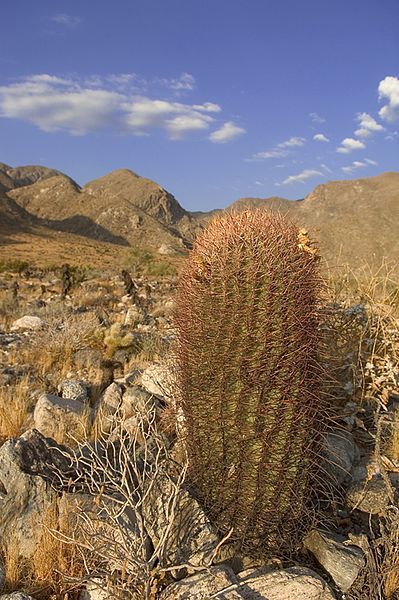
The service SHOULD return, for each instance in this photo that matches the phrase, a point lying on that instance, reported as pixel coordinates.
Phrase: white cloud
(185, 83)
(67, 20)
(316, 118)
(292, 142)
(358, 164)
(229, 131)
(323, 166)
(389, 89)
(207, 107)
(368, 125)
(279, 151)
(301, 177)
(268, 154)
(82, 106)
(320, 137)
(349, 144)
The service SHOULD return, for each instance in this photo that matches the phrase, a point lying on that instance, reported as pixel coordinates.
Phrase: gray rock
(342, 562)
(2, 574)
(110, 400)
(339, 455)
(16, 596)
(191, 538)
(73, 390)
(202, 585)
(368, 495)
(297, 583)
(157, 379)
(107, 528)
(53, 416)
(27, 322)
(95, 590)
(24, 507)
(300, 583)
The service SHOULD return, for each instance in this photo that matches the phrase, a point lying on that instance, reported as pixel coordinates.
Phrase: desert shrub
(50, 352)
(13, 266)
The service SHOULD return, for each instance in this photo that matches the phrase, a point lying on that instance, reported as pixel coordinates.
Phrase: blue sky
(214, 100)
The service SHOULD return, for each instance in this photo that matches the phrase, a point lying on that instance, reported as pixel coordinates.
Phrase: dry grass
(54, 568)
(51, 351)
(14, 409)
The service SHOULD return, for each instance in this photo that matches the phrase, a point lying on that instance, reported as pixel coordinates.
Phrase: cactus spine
(249, 376)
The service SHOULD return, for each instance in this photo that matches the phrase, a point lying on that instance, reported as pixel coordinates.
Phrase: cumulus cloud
(66, 20)
(349, 144)
(358, 164)
(280, 151)
(292, 142)
(320, 137)
(79, 107)
(367, 125)
(316, 118)
(389, 90)
(268, 154)
(301, 177)
(228, 132)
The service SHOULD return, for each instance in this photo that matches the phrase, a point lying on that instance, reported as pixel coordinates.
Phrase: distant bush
(143, 262)
(13, 266)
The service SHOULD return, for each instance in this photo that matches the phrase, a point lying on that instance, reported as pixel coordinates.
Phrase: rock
(202, 585)
(191, 539)
(339, 455)
(24, 507)
(16, 596)
(54, 416)
(110, 400)
(297, 583)
(134, 316)
(107, 527)
(368, 495)
(27, 322)
(95, 590)
(2, 574)
(157, 379)
(342, 562)
(73, 390)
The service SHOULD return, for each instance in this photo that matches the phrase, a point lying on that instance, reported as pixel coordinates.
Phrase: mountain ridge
(351, 219)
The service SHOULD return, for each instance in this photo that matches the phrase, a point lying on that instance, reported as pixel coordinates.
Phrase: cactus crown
(249, 374)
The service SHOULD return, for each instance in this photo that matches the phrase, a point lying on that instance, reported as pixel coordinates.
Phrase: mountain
(354, 221)
(120, 207)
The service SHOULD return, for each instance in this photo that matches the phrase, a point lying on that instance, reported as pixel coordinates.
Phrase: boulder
(157, 379)
(27, 322)
(202, 585)
(369, 495)
(191, 539)
(297, 583)
(24, 507)
(73, 390)
(54, 416)
(342, 562)
(16, 596)
(339, 455)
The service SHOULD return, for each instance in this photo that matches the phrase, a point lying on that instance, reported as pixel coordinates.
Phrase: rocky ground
(93, 498)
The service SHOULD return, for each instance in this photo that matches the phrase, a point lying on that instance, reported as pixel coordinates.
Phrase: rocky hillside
(354, 221)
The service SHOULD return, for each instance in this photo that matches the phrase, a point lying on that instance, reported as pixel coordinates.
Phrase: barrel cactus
(249, 375)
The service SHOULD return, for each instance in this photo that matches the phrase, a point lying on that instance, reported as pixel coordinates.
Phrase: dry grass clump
(14, 409)
(363, 335)
(56, 568)
(51, 350)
